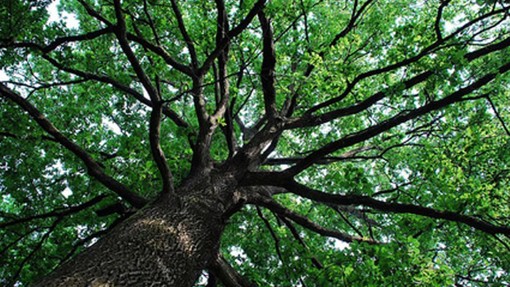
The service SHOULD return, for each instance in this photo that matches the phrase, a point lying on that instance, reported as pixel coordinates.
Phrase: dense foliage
(381, 125)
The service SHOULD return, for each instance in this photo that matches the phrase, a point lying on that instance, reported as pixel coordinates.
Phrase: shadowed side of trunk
(164, 244)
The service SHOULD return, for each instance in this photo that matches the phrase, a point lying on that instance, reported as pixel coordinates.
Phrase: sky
(69, 19)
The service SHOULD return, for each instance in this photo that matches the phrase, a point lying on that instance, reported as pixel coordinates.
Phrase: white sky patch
(112, 126)
(68, 18)
(59, 168)
(3, 76)
(338, 244)
(67, 192)
(326, 128)
(239, 254)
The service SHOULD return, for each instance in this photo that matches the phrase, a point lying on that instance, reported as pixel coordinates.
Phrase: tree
(244, 143)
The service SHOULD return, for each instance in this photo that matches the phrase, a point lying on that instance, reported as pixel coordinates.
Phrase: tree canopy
(369, 139)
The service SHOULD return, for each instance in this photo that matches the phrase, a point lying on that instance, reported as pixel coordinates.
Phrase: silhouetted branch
(352, 154)
(273, 235)
(394, 121)
(227, 274)
(38, 246)
(296, 235)
(307, 223)
(185, 35)
(19, 239)
(155, 119)
(498, 115)
(437, 23)
(280, 179)
(232, 34)
(59, 41)
(94, 169)
(424, 52)
(268, 66)
(59, 213)
(157, 49)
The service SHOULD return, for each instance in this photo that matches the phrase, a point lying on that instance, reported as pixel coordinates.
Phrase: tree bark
(167, 243)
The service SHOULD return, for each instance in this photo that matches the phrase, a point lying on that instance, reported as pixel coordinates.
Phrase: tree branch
(296, 235)
(224, 93)
(56, 213)
(223, 108)
(488, 49)
(309, 120)
(38, 246)
(394, 121)
(267, 72)
(495, 110)
(116, 84)
(280, 179)
(155, 119)
(258, 6)
(424, 52)
(59, 41)
(185, 35)
(355, 15)
(94, 169)
(227, 274)
(273, 235)
(272, 205)
(437, 23)
(326, 160)
(157, 49)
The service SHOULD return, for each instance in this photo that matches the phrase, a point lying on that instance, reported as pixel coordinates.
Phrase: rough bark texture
(167, 243)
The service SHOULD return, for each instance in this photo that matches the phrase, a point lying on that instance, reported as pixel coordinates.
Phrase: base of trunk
(161, 245)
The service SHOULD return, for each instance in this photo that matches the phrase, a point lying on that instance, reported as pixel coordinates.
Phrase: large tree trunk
(167, 243)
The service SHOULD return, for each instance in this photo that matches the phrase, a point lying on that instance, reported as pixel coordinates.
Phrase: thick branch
(488, 49)
(437, 24)
(201, 158)
(394, 121)
(224, 84)
(305, 222)
(309, 120)
(227, 274)
(326, 160)
(267, 72)
(279, 179)
(251, 154)
(232, 34)
(223, 108)
(94, 169)
(155, 119)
